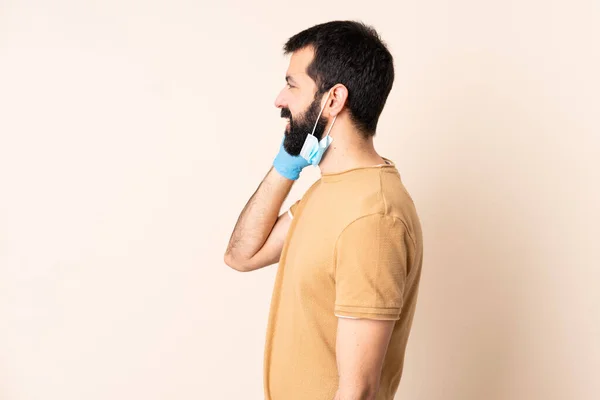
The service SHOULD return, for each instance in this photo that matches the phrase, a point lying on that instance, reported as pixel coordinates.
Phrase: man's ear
(337, 100)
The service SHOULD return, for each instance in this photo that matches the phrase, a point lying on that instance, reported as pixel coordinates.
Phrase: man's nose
(280, 100)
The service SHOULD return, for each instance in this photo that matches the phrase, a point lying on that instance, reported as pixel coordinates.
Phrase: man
(350, 251)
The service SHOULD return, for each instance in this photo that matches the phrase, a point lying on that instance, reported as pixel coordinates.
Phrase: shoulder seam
(381, 191)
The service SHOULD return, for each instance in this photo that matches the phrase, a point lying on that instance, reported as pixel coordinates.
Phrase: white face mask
(313, 150)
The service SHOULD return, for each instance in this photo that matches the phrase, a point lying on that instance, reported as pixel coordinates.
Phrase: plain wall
(132, 133)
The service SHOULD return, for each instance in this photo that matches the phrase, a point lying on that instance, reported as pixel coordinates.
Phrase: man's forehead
(299, 62)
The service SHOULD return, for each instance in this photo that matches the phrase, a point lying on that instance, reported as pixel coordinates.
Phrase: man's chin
(287, 143)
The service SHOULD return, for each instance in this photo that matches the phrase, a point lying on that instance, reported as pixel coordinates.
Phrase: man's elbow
(235, 263)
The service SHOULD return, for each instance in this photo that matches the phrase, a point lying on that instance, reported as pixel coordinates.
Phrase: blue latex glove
(287, 165)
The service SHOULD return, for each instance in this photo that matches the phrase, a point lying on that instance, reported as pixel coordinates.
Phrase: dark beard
(302, 126)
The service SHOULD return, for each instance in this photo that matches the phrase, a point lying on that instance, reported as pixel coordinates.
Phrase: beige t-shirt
(354, 249)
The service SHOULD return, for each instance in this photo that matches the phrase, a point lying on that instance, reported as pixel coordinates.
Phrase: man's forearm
(259, 216)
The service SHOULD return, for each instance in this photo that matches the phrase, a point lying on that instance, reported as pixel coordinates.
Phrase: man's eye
(290, 86)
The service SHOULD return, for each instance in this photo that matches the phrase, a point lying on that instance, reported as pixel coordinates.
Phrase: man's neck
(349, 151)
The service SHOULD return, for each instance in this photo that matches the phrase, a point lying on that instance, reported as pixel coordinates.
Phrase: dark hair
(353, 54)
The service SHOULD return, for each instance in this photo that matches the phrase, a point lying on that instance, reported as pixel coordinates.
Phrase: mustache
(286, 113)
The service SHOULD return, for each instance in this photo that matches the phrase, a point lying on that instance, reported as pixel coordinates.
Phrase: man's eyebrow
(289, 79)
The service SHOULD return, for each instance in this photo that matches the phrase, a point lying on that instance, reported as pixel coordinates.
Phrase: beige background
(133, 133)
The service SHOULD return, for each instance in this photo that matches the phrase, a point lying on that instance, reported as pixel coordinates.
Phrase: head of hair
(350, 53)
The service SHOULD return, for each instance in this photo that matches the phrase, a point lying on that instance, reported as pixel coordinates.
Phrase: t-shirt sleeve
(371, 259)
(293, 208)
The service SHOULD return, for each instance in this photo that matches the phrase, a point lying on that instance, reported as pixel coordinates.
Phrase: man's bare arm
(258, 236)
(361, 345)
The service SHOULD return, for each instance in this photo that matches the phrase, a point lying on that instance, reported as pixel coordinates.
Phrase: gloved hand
(287, 165)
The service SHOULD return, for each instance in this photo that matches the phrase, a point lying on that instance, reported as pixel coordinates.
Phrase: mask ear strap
(332, 122)
(320, 112)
